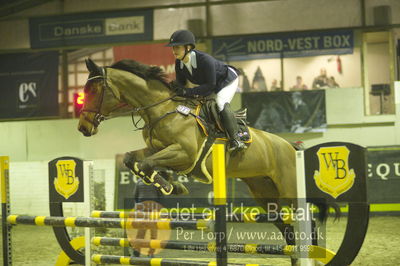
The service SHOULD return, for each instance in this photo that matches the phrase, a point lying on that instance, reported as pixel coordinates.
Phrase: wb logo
(334, 176)
(339, 165)
(66, 183)
(67, 174)
(27, 91)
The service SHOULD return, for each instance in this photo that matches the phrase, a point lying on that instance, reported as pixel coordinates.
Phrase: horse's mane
(146, 72)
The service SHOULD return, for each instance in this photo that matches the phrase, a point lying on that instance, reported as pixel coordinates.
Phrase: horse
(174, 140)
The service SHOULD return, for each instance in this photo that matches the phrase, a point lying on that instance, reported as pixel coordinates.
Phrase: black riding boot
(232, 129)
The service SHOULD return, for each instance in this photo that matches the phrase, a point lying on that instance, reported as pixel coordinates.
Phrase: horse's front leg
(133, 158)
(144, 164)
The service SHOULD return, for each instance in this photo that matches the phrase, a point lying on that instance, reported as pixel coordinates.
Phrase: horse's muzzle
(86, 131)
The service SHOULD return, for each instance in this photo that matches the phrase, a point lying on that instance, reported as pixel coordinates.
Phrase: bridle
(99, 117)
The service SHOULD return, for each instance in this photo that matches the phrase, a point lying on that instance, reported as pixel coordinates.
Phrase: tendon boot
(231, 128)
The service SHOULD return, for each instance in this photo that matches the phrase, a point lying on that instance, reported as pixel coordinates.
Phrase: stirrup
(236, 145)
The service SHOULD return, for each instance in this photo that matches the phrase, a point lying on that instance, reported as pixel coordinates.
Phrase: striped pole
(219, 179)
(315, 252)
(108, 259)
(151, 215)
(165, 224)
(232, 218)
(5, 209)
(194, 246)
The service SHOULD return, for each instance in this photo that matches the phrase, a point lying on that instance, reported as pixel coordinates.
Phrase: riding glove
(177, 88)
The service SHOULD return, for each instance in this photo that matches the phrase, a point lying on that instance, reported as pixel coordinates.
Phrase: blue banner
(29, 85)
(91, 28)
(294, 44)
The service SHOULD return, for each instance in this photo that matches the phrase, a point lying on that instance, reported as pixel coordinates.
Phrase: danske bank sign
(93, 28)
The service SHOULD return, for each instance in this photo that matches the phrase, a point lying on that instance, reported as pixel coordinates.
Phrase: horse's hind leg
(263, 190)
(266, 194)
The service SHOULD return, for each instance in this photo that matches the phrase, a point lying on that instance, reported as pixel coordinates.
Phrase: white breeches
(226, 94)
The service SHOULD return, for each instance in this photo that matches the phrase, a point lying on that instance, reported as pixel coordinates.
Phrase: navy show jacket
(209, 73)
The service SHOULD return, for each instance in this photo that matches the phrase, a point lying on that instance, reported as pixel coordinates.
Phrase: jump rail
(165, 224)
(232, 218)
(110, 259)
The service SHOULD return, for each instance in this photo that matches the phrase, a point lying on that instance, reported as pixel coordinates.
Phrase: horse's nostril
(83, 130)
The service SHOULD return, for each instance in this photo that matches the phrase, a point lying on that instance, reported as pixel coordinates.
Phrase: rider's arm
(180, 77)
(206, 66)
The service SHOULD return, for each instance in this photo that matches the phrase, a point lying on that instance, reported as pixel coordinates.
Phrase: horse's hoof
(166, 191)
(179, 189)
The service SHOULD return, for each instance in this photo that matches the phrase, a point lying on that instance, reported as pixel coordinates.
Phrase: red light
(80, 98)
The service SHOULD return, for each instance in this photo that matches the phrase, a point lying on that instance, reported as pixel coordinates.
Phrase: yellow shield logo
(66, 183)
(334, 176)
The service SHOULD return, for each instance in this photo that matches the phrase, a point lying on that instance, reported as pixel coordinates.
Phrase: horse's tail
(324, 208)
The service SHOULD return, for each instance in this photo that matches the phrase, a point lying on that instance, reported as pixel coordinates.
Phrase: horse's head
(100, 99)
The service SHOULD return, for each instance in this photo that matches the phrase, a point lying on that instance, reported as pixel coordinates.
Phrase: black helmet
(182, 37)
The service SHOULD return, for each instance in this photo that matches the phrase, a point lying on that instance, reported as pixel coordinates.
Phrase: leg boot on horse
(232, 129)
(147, 173)
(162, 179)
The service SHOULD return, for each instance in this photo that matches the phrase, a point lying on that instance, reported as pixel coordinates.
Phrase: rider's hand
(177, 88)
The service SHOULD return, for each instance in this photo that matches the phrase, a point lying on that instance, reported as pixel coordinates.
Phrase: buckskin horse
(175, 141)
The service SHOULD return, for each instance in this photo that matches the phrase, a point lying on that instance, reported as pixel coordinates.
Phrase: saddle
(208, 118)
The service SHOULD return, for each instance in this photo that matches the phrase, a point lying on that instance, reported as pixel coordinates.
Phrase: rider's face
(179, 51)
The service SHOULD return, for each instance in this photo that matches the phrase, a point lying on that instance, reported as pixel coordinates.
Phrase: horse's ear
(92, 67)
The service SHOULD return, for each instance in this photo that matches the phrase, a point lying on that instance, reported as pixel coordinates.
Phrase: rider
(209, 76)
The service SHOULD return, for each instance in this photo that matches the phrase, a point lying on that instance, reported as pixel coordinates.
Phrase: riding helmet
(182, 37)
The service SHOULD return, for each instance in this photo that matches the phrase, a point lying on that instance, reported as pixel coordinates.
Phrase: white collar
(192, 60)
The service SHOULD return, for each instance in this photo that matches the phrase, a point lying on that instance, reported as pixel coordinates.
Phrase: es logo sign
(28, 95)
